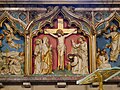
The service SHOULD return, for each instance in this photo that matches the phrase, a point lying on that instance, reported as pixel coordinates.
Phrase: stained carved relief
(109, 40)
(80, 56)
(58, 41)
(11, 50)
(57, 51)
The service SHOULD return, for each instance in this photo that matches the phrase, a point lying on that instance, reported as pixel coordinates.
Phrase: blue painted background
(5, 46)
(101, 43)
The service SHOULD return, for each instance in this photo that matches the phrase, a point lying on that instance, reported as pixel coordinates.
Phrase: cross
(60, 26)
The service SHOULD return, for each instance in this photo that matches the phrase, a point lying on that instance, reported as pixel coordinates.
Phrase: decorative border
(49, 79)
(59, 2)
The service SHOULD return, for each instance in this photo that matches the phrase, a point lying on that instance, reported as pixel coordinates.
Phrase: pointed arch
(47, 18)
(114, 15)
(6, 15)
(12, 20)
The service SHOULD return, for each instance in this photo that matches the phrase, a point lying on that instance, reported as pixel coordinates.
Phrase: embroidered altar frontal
(57, 42)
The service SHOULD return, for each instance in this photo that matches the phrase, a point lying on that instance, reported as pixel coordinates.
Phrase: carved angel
(10, 37)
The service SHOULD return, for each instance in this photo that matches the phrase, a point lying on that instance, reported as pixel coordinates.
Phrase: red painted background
(53, 42)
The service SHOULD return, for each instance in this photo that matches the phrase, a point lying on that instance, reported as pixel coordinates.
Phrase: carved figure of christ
(61, 37)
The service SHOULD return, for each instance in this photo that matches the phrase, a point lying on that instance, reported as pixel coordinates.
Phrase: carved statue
(21, 59)
(46, 57)
(4, 67)
(1, 37)
(98, 61)
(61, 46)
(38, 56)
(102, 59)
(83, 52)
(1, 45)
(115, 43)
(10, 37)
(80, 64)
(15, 66)
(77, 61)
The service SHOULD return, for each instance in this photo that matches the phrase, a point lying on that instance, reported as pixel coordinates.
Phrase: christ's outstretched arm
(75, 31)
(52, 34)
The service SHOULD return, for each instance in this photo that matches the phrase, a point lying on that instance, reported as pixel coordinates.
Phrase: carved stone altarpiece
(57, 43)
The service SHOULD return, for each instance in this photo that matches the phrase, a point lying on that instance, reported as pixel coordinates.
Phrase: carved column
(93, 53)
(27, 55)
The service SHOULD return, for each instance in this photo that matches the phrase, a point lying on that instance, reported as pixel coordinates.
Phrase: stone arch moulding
(113, 16)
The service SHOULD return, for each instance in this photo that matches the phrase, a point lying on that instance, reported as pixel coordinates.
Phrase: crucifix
(60, 26)
(60, 31)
